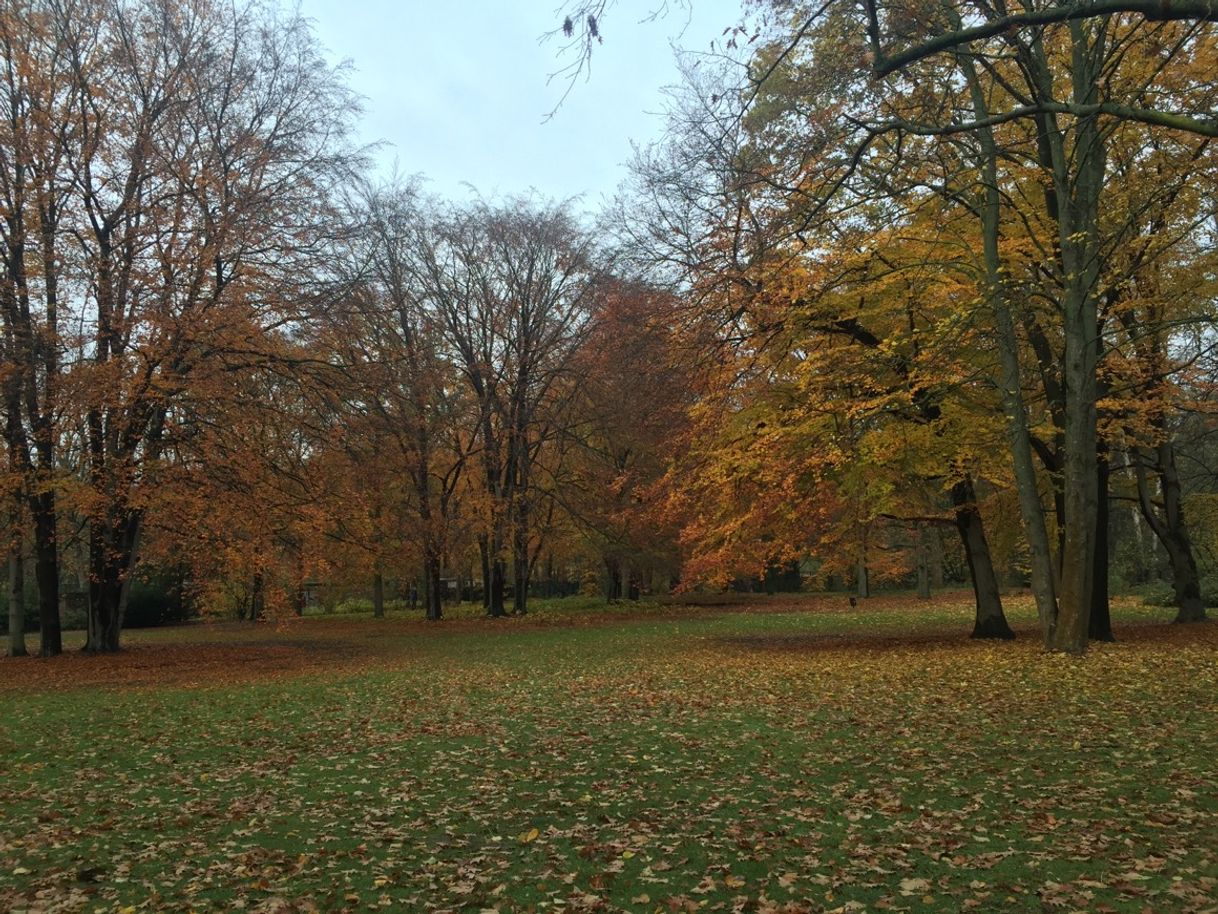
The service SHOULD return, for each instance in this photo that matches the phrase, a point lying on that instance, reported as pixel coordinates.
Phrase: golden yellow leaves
(915, 886)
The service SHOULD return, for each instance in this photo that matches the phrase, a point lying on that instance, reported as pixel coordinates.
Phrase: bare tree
(511, 287)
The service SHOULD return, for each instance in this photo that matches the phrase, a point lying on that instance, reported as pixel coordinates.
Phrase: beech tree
(1034, 99)
(170, 163)
(37, 133)
(635, 385)
(511, 288)
(1074, 126)
(402, 387)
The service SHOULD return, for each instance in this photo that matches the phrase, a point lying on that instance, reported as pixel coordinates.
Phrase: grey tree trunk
(378, 595)
(1030, 508)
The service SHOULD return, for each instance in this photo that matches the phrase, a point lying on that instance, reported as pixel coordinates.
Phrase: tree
(1073, 135)
(174, 160)
(1046, 90)
(510, 287)
(37, 133)
(403, 390)
(635, 386)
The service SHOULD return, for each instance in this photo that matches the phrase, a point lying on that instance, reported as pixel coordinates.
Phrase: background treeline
(837, 327)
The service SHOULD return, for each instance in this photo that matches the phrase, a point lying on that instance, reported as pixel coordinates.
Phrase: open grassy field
(790, 757)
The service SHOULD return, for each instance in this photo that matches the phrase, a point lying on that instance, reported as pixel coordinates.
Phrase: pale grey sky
(458, 89)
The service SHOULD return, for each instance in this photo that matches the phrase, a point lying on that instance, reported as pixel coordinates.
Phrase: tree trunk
(989, 621)
(104, 627)
(1030, 509)
(1143, 556)
(520, 562)
(862, 582)
(1185, 582)
(113, 552)
(16, 593)
(1099, 628)
(1078, 177)
(1172, 532)
(936, 559)
(614, 581)
(498, 586)
(485, 556)
(46, 573)
(923, 549)
(298, 590)
(257, 598)
(434, 604)
(378, 595)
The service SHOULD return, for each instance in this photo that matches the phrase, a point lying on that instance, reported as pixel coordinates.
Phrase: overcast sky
(459, 89)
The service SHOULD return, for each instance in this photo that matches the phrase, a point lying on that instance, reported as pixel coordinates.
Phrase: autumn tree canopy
(905, 285)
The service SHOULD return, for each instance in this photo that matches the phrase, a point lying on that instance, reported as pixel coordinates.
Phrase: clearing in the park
(785, 756)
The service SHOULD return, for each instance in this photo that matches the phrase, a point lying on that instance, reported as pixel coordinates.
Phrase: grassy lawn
(783, 757)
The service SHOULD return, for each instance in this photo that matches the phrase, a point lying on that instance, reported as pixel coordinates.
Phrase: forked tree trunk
(1172, 532)
(113, 552)
(990, 621)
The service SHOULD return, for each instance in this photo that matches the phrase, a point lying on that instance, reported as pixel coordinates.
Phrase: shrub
(1157, 593)
(157, 600)
(364, 605)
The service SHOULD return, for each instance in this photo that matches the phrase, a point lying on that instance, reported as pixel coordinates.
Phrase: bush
(1209, 588)
(364, 605)
(153, 601)
(157, 600)
(1160, 593)
(1157, 593)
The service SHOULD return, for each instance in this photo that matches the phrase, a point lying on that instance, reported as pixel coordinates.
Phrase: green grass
(716, 760)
